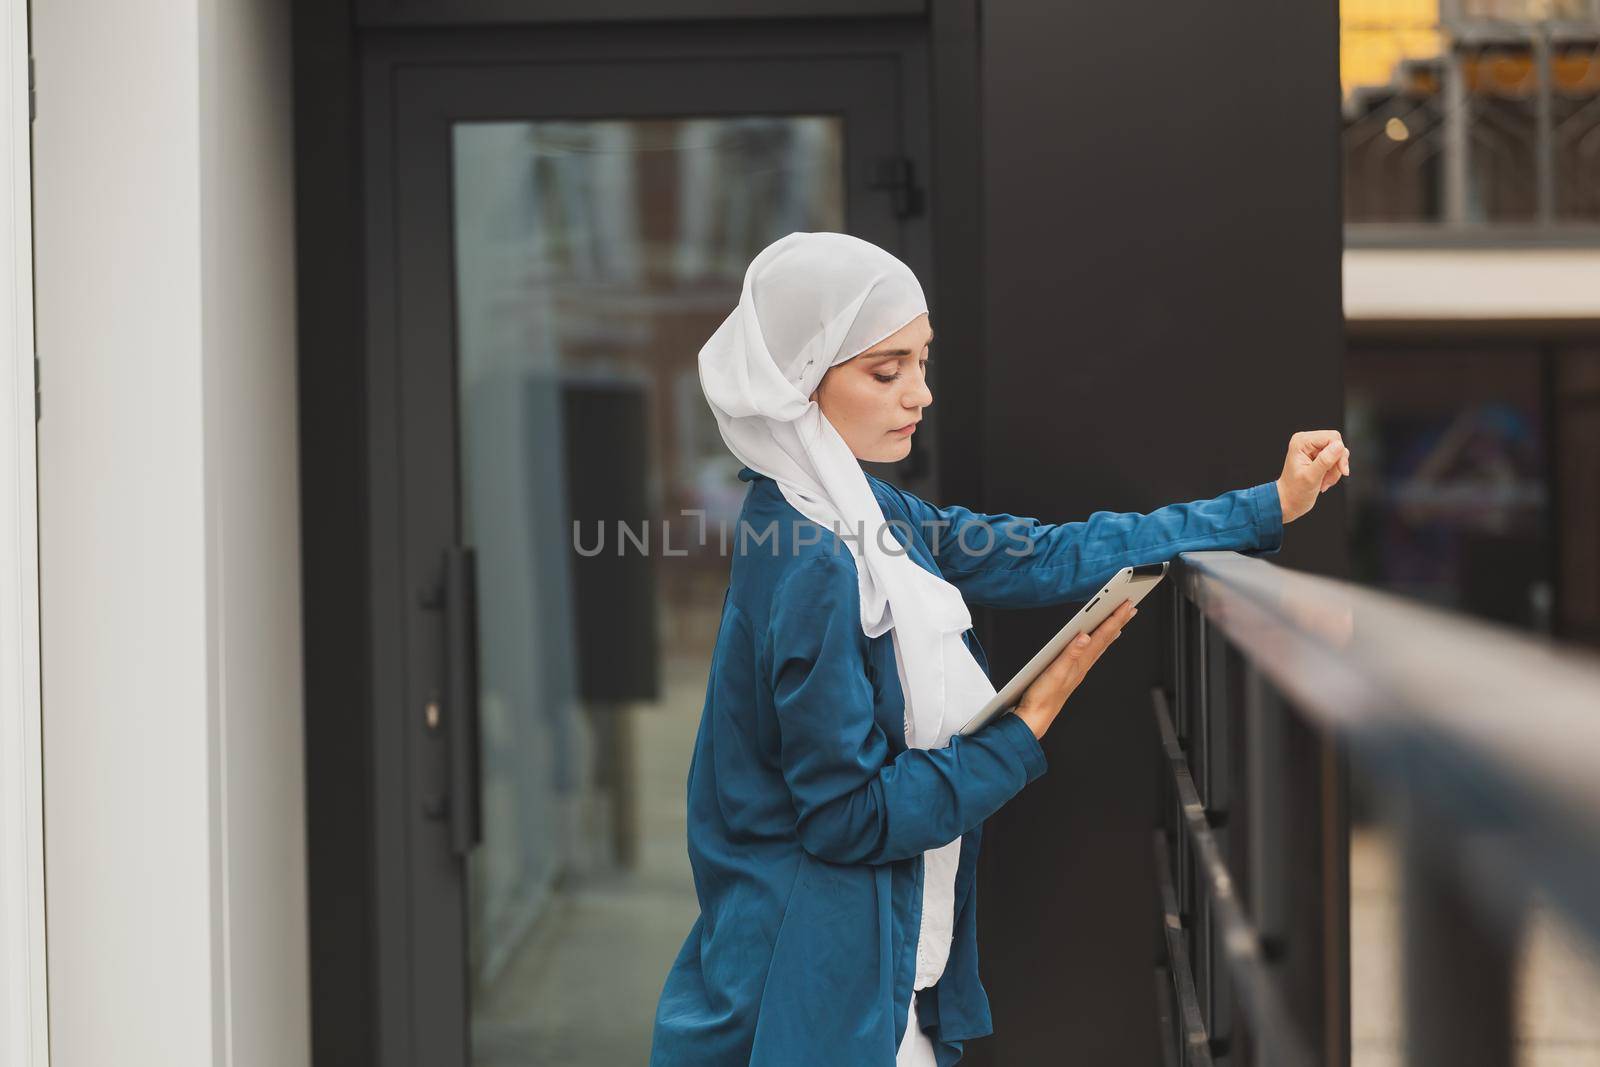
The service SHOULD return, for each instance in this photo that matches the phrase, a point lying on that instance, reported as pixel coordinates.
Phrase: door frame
(24, 1003)
(422, 1011)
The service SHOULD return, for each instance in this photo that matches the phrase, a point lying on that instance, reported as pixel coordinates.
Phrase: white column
(169, 533)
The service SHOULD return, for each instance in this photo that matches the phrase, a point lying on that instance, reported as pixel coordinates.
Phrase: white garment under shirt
(937, 928)
(916, 1048)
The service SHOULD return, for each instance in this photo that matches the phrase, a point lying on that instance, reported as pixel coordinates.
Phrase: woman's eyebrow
(887, 352)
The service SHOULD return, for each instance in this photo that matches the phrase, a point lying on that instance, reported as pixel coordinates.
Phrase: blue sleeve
(855, 801)
(1004, 561)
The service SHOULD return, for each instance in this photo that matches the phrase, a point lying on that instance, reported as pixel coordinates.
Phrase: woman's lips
(907, 430)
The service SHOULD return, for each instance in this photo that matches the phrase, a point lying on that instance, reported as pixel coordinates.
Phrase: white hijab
(812, 301)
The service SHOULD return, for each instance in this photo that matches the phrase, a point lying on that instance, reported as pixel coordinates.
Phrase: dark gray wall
(1161, 252)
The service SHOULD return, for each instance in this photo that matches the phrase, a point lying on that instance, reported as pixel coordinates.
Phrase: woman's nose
(921, 396)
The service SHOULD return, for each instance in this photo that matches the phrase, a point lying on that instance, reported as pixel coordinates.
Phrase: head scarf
(811, 301)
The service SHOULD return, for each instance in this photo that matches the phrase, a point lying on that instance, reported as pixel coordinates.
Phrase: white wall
(1443, 284)
(169, 535)
(253, 525)
(24, 1033)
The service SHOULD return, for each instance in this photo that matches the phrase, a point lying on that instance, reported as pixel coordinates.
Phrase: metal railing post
(1457, 158)
(1457, 970)
(1266, 883)
(1221, 713)
(1200, 925)
(1544, 126)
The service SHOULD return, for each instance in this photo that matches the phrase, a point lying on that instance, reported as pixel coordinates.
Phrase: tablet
(1130, 583)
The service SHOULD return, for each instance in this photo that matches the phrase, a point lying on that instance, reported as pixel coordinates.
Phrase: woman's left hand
(1316, 461)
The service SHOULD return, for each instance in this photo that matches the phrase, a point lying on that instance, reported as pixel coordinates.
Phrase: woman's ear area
(817, 392)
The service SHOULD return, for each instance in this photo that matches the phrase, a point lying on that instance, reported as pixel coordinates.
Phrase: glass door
(591, 258)
(566, 237)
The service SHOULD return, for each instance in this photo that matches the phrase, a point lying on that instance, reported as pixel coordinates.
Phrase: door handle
(457, 602)
(461, 694)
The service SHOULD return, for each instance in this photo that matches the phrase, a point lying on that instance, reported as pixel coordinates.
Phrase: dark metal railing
(1481, 750)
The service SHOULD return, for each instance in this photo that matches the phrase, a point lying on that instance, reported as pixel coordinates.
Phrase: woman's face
(875, 400)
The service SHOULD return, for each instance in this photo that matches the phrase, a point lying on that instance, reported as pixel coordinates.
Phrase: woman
(834, 815)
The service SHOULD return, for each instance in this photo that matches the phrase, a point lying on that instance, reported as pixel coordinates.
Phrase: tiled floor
(582, 990)
(1558, 990)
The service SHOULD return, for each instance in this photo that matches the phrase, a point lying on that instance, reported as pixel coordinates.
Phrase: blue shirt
(808, 815)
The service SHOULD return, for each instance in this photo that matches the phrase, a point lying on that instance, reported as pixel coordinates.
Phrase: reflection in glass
(592, 261)
(1453, 504)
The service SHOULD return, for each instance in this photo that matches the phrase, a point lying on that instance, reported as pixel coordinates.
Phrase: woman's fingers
(1111, 629)
(1065, 665)
(1316, 461)
(1329, 465)
(1119, 618)
(1108, 631)
(1083, 650)
(1109, 626)
(1045, 697)
(1311, 442)
(1322, 448)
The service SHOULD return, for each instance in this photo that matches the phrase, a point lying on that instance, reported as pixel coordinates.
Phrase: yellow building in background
(1375, 35)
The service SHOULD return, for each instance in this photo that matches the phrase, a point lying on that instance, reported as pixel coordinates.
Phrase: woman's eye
(886, 379)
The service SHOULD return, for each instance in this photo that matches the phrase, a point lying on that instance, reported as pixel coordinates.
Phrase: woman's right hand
(1042, 700)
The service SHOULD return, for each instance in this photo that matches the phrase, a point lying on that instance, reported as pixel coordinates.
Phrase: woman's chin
(893, 452)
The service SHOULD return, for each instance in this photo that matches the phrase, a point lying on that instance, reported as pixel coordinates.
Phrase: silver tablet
(1130, 584)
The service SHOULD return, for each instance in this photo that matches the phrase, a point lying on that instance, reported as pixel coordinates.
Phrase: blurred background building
(1471, 144)
(1471, 174)
(359, 324)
